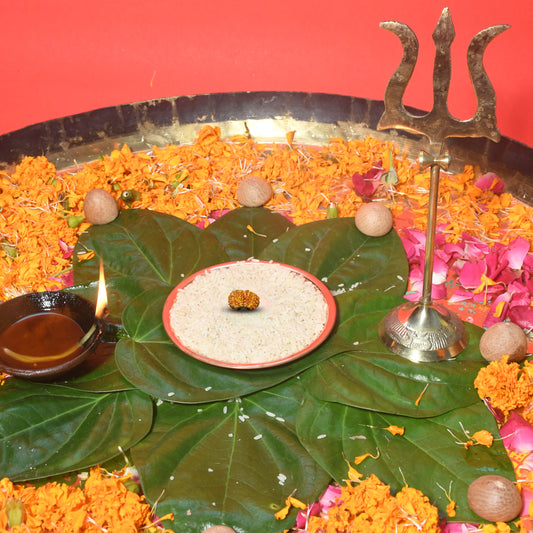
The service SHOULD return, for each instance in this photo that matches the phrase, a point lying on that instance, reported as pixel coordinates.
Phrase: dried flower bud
(16, 514)
(243, 300)
(333, 211)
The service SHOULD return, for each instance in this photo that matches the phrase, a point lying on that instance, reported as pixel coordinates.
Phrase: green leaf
(245, 232)
(351, 386)
(150, 360)
(337, 253)
(98, 373)
(360, 312)
(47, 429)
(370, 376)
(429, 454)
(142, 249)
(231, 462)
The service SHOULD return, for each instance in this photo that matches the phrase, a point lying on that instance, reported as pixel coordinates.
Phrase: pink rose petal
(454, 249)
(491, 317)
(460, 295)
(438, 291)
(527, 499)
(517, 434)
(516, 252)
(458, 527)
(367, 184)
(490, 182)
(474, 248)
(329, 496)
(522, 315)
(303, 516)
(470, 274)
(66, 249)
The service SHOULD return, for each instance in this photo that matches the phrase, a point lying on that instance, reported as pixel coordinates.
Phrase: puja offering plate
(202, 321)
(282, 427)
(44, 334)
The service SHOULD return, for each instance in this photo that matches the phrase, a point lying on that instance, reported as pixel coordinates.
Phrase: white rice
(292, 313)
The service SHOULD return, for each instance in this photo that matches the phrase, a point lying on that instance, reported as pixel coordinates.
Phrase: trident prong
(438, 124)
(424, 330)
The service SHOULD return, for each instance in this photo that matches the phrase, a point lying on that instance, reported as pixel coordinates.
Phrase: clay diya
(44, 334)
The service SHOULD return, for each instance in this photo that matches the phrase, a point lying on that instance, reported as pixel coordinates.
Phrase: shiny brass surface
(424, 331)
(438, 124)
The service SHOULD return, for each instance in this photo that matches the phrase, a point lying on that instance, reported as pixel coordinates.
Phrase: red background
(64, 57)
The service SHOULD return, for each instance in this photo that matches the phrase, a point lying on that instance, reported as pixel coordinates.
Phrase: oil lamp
(45, 334)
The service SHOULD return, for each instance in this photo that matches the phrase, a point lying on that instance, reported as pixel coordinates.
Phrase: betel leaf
(49, 430)
(232, 462)
(337, 253)
(149, 360)
(98, 373)
(387, 383)
(142, 249)
(370, 376)
(145, 255)
(361, 310)
(245, 232)
(430, 456)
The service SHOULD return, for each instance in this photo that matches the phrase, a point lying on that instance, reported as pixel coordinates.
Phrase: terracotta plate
(317, 341)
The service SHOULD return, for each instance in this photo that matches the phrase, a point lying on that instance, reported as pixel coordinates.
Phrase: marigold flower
(396, 430)
(507, 386)
(370, 507)
(103, 504)
(484, 437)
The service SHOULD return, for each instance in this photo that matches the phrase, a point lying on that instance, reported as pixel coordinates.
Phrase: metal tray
(267, 116)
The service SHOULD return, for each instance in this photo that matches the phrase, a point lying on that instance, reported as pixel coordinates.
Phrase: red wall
(63, 57)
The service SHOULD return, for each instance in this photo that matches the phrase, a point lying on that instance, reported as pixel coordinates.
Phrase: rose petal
(490, 182)
(460, 295)
(496, 314)
(458, 527)
(66, 249)
(474, 248)
(438, 291)
(302, 517)
(522, 315)
(527, 498)
(495, 264)
(366, 184)
(516, 252)
(412, 251)
(528, 263)
(517, 434)
(329, 497)
(470, 274)
(454, 249)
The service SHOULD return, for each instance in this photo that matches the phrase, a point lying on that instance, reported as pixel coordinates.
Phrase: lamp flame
(101, 299)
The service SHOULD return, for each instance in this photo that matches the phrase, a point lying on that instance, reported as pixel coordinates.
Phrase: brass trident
(425, 331)
(438, 124)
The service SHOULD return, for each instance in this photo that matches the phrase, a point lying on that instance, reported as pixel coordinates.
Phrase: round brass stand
(423, 332)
